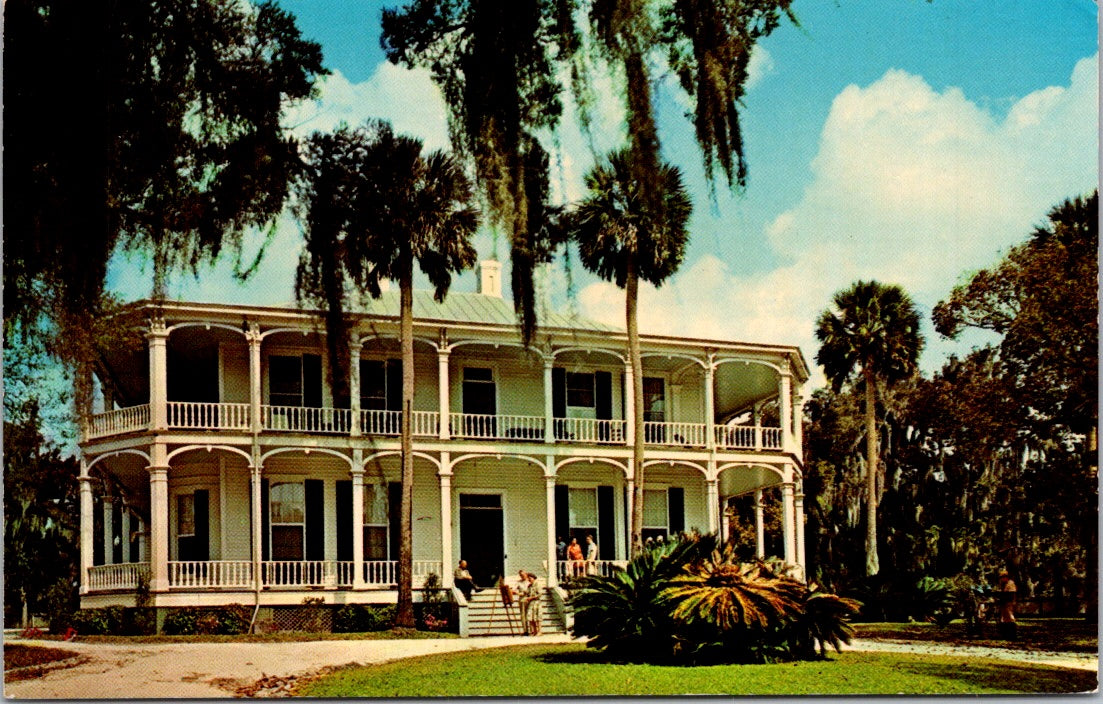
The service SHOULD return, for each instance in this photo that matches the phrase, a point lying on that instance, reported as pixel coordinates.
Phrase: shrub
(687, 600)
(100, 621)
(234, 619)
(62, 602)
(182, 622)
(432, 616)
(358, 618)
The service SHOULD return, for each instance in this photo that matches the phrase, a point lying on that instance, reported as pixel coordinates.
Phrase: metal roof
(464, 307)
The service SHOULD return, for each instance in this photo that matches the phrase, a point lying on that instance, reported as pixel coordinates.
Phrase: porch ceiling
(735, 481)
(738, 385)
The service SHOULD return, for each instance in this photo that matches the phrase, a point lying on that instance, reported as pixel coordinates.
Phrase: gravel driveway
(200, 670)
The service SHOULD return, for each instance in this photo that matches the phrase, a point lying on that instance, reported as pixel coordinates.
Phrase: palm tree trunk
(872, 564)
(631, 294)
(404, 617)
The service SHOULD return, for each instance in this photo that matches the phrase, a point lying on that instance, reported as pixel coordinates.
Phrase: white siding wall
(234, 374)
(521, 485)
(236, 503)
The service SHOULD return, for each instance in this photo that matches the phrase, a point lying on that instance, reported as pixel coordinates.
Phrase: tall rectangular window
(656, 514)
(286, 501)
(582, 511)
(376, 520)
(285, 380)
(580, 395)
(479, 395)
(654, 399)
(373, 385)
(185, 527)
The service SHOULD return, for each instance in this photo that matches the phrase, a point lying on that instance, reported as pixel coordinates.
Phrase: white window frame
(665, 490)
(580, 411)
(380, 486)
(273, 483)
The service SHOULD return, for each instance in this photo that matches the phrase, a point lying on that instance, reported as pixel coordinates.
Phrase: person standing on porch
(574, 554)
(591, 555)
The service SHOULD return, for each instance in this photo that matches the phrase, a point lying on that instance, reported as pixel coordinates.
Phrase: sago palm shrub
(693, 602)
(621, 614)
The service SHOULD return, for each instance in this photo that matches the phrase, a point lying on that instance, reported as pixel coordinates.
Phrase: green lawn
(571, 670)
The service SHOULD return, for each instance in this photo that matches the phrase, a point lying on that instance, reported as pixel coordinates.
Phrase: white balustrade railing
(748, 437)
(376, 422)
(299, 573)
(497, 427)
(771, 439)
(590, 430)
(208, 416)
(674, 433)
(123, 420)
(121, 576)
(306, 420)
(565, 569)
(217, 573)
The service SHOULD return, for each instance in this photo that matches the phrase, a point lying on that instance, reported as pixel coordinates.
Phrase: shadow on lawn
(1016, 678)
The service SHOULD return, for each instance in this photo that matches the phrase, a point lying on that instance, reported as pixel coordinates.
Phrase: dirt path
(201, 670)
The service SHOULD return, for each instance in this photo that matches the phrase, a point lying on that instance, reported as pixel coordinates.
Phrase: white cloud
(760, 66)
(910, 186)
(406, 97)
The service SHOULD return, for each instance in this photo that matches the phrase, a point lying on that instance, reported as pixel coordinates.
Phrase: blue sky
(901, 140)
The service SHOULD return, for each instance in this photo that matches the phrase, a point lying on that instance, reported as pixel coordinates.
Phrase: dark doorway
(482, 542)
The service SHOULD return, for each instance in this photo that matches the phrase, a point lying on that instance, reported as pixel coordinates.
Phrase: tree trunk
(404, 618)
(631, 293)
(872, 564)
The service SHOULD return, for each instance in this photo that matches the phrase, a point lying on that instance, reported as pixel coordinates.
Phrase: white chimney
(490, 278)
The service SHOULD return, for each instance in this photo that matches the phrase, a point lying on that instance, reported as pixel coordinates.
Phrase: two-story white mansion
(222, 469)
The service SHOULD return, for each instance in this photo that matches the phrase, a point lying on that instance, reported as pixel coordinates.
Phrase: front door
(482, 542)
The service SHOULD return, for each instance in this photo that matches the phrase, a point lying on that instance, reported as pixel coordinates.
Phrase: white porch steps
(487, 617)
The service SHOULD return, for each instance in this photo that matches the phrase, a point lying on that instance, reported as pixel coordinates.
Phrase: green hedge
(191, 620)
(358, 618)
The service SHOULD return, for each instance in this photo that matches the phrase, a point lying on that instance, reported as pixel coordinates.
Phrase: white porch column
(713, 486)
(710, 406)
(549, 401)
(444, 400)
(549, 503)
(630, 487)
(798, 425)
(629, 409)
(86, 526)
(355, 346)
(799, 531)
(785, 411)
(158, 370)
(254, 339)
(159, 519)
(788, 523)
(124, 531)
(257, 537)
(446, 559)
(357, 474)
(108, 534)
(759, 526)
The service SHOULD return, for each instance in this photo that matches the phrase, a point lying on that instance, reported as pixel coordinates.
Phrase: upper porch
(250, 371)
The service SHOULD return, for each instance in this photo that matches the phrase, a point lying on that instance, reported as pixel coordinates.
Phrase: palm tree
(625, 235)
(401, 207)
(873, 331)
